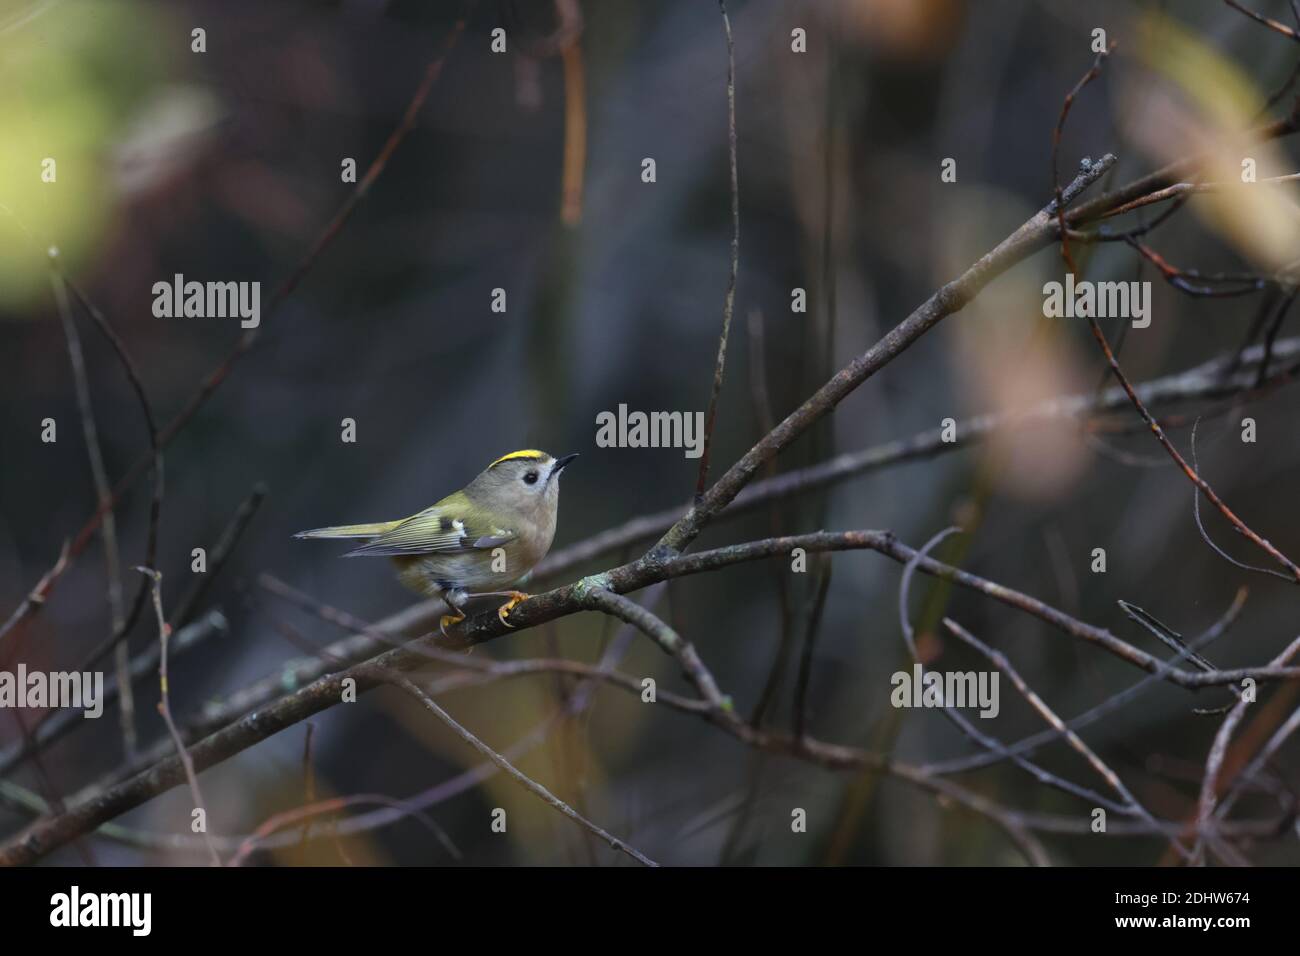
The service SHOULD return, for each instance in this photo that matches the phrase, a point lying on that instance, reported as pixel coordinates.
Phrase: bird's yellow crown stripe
(532, 453)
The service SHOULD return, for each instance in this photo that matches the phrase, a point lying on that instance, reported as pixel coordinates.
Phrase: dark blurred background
(225, 166)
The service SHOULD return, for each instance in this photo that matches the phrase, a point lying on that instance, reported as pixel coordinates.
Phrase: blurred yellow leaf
(68, 72)
(1206, 106)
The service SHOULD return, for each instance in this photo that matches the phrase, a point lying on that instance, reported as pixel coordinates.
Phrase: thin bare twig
(258, 839)
(218, 555)
(514, 773)
(164, 706)
(823, 588)
(1172, 639)
(1191, 282)
(103, 497)
(1188, 470)
(1269, 22)
(668, 640)
(729, 303)
(1219, 749)
(1275, 326)
(1177, 190)
(1205, 535)
(155, 469)
(761, 400)
(1256, 765)
(1087, 78)
(308, 778)
(38, 595)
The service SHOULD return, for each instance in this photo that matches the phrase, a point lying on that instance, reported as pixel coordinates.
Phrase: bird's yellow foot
(516, 598)
(446, 619)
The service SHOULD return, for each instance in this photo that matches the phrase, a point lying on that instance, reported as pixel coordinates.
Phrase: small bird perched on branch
(489, 534)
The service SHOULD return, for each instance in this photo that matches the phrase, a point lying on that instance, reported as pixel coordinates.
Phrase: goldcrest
(477, 541)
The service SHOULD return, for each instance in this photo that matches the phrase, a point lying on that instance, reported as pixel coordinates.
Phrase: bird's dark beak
(561, 462)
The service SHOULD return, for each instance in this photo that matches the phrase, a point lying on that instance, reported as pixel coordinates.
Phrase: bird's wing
(439, 529)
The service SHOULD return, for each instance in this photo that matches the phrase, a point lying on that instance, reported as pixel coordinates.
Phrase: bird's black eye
(531, 478)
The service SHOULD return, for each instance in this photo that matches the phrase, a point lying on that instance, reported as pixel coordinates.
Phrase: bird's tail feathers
(358, 532)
